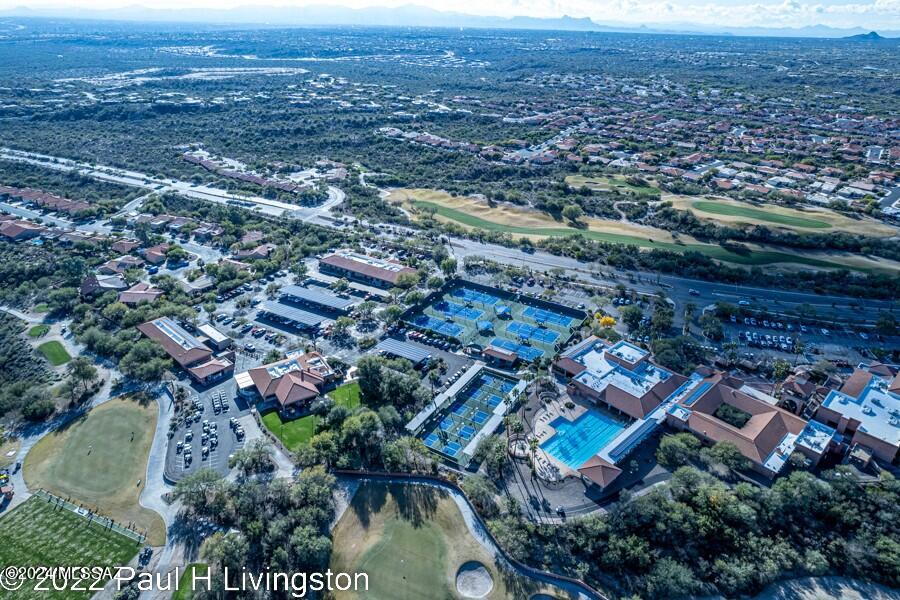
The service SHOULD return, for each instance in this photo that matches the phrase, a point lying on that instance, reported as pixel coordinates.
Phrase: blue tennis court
(524, 352)
(479, 417)
(438, 326)
(475, 296)
(458, 423)
(547, 316)
(526, 331)
(452, 309)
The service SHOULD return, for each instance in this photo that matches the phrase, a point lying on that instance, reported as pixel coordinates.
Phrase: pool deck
(549, 467)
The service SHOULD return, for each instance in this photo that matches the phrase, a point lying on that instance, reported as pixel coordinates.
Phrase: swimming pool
(576, 441)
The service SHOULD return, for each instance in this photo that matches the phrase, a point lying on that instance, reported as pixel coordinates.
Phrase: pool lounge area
(568, 436)
(574, 442)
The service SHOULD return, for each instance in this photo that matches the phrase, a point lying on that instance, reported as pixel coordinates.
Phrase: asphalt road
(266, 206)
(677, 288)
(853, 310)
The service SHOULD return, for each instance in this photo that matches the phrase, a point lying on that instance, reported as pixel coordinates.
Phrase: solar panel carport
(318, 297)
(413, 354)
(291, 315)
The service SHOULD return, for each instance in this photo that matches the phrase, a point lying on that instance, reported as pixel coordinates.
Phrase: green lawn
(97, 461)
(346, 395)
(41, 308)
(37, 533)
(185, 582)
(291, 433)
(38, 331)
(295, 432)
(766, 257)
(411, 541)
(759, 214)
(54, 352)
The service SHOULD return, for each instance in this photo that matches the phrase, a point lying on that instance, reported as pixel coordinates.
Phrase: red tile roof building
(186, 350)
(293, 382)
(368, 269)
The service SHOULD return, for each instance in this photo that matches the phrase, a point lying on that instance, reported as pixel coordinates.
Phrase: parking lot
(759, 335)
(237, 316)
(455, 361)
(207, 433)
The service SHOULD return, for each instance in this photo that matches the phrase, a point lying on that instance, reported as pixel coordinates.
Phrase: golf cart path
(476, 529)
(155, 485)
(23, 316)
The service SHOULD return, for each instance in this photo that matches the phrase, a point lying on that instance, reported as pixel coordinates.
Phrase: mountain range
(418, 16)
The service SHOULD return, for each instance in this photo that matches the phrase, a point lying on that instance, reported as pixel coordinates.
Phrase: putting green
(411, 540)
(38, 331)
(733, 210)
(54, 352)
(96, 460)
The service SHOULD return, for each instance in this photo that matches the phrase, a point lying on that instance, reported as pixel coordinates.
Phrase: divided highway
(678, 289)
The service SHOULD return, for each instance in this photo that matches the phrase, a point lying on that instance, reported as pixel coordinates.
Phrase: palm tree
(532, 448)
(434, 377)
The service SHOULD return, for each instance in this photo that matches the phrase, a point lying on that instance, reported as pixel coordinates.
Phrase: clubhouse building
(631, 397)
(200, 358)
(289, 385)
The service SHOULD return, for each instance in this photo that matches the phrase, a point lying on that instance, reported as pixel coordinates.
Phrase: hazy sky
(871, 14)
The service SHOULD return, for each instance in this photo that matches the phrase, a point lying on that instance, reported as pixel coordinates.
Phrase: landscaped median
(293, 433)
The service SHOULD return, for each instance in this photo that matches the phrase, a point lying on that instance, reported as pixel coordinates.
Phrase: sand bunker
(473, 580)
